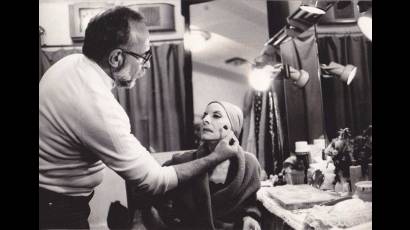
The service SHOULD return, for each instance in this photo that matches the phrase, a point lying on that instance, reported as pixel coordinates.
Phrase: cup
(355, 175)
(364, 190)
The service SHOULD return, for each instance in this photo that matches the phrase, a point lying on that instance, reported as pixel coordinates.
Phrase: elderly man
(82, 127)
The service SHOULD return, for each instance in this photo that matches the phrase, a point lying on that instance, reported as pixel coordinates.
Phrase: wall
(111, 189)
(54, 18)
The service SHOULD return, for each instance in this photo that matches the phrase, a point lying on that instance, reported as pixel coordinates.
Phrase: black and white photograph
(205, 114)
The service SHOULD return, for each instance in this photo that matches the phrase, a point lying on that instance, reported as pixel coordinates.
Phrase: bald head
(138, 39)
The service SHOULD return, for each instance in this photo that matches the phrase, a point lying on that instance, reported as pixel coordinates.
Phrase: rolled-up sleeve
(106, 133)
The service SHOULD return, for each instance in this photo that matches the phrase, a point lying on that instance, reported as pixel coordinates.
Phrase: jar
(364, 190)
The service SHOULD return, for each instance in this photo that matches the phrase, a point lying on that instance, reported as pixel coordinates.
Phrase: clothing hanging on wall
(257, 108)
(263, 134)
(303, 105)
(262, 153)
(248, 141)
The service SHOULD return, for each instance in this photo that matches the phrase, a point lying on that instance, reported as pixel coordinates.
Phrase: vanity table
(276, 216)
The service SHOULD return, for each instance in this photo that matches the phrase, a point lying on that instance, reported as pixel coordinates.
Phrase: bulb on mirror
(316, 6)
(260, 78)
(365, 24)
(312, 10)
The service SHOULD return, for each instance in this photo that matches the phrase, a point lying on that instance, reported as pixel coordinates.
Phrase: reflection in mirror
(346, 105)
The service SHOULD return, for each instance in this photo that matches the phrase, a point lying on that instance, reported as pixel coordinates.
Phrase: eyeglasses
(146, 56)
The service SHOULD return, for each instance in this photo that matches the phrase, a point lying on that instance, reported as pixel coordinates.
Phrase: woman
(224, 198)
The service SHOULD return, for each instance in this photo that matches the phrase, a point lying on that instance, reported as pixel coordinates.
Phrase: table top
(294, 218)
(300, 196)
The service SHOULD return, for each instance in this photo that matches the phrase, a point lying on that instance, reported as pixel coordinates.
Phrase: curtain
(43, 64)
(156, 105)
(262, 130)
(347, 105)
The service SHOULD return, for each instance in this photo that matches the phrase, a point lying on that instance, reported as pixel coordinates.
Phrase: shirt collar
(108, 81)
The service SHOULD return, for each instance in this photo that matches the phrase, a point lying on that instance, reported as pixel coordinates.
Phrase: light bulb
(196, 39)
(260, 78)
(365, 25)
(312, 10)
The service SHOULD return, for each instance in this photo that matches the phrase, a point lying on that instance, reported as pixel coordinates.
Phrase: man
(82, 127)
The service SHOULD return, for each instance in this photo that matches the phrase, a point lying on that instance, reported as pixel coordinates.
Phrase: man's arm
(225, 149)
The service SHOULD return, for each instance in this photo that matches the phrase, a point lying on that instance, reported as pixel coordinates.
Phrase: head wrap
(235, 116)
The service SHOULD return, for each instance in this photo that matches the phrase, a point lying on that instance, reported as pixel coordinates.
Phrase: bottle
(302, 164)
(280, 181)
(302, 152)
(355, 172)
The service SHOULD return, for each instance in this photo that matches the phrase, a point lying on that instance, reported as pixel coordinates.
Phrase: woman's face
(214, 119)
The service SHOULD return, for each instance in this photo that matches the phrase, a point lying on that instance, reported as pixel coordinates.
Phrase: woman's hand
(250, 224)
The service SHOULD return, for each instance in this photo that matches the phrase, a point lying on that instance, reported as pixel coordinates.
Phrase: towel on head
(235, 116)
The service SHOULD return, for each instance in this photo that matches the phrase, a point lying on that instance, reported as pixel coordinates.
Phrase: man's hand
(250, 224)
(227, 146)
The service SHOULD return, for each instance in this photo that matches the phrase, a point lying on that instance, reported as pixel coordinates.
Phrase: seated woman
(224, 198)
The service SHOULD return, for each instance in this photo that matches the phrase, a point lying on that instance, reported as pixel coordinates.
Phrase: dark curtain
(156, 105)
(43, 62)
(347, 105)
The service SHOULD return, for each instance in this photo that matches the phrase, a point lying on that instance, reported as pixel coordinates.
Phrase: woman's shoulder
(251, 158)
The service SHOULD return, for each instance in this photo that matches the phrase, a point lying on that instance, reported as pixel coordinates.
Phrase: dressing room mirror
(225, 36)
(345, 103)
(343, 46)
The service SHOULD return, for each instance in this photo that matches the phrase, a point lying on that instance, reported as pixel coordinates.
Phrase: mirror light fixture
(307, 15)
(299, 77)
(365, 23)
(344, 73)
(261, 78)
(317, 6)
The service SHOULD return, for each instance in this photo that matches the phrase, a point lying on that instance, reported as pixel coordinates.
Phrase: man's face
(214, 119)
(133, 68)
